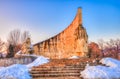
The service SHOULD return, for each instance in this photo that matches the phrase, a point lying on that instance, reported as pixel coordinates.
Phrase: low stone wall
(10, 61)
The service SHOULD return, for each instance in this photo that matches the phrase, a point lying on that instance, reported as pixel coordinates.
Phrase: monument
(70, 42)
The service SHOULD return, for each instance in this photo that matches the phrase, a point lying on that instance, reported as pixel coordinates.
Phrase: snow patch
(18, 71)
(39, 61)
(110, 62)
(74, 57)
(103, 72)
(15, 71)
(100, 72)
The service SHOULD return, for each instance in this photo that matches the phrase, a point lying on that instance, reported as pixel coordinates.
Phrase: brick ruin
(70, 42)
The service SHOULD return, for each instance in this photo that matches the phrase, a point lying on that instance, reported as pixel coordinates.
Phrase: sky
(46, 18)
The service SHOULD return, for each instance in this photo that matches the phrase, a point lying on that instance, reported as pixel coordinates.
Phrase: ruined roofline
(78, 15)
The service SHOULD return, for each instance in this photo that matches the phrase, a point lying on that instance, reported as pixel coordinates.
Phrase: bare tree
(15, 41)
(113, 47)
(24, 36)
(117, 45)
(1, 44)
(14, 37)
(101, 46)
(110, 43)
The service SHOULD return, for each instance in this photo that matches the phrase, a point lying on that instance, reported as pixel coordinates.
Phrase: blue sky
(46, 18)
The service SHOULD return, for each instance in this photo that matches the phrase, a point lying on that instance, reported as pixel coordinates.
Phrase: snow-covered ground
(74, 57)
(18, 71)
(40, 60)
(111, 62)
(110, 71)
